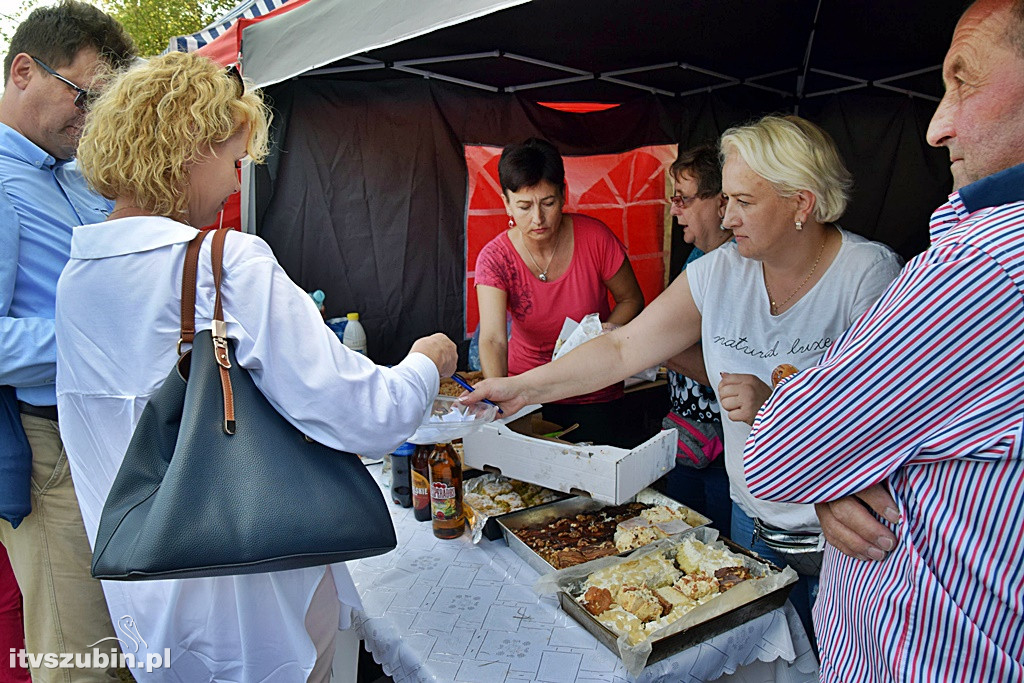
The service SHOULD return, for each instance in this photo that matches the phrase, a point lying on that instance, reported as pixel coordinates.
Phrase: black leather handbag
(215, 482)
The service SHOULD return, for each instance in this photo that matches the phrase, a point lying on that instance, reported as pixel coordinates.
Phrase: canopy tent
(365, 195)
(246, 9)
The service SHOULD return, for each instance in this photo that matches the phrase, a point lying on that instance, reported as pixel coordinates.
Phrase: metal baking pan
(492, 531)
(705, 630)
(549, 512)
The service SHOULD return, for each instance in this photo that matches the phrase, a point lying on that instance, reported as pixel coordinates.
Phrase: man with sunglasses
(56, 58)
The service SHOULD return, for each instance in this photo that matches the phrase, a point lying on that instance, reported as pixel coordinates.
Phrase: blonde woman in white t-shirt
(788, 287)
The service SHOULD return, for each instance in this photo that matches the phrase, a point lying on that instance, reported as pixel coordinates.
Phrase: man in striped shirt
(923, 399)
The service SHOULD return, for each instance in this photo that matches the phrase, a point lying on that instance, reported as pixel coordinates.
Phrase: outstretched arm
(668, 325)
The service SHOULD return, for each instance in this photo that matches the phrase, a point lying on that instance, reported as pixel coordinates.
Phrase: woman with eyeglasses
(163, 141)
(699, 479)
(549, 266)
(792, 282)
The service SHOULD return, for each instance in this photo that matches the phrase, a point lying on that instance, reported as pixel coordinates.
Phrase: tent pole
(801, 80)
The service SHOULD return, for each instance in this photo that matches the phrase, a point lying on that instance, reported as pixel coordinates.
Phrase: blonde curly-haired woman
(164, 142)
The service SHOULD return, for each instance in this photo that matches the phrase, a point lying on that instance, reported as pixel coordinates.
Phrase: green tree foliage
(152, 23)
(10, 16)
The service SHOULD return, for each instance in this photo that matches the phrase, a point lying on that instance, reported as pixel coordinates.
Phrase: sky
(8, 20)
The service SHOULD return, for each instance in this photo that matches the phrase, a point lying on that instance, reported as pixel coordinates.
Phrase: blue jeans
(704, 490)
(805, 590)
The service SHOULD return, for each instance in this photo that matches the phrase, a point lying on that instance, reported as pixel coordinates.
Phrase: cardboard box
(516, 447)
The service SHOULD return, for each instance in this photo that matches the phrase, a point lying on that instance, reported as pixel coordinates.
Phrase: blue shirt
(41, 200)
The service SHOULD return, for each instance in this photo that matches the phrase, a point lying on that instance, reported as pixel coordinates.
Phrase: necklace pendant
(543, 277)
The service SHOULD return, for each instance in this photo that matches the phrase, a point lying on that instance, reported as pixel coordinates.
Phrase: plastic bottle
(354, 336)
(401, 482)
(318, 298)
(421, 483)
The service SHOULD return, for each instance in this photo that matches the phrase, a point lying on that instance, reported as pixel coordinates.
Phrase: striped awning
(248, 9)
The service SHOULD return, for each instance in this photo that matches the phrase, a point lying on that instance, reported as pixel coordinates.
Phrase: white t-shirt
(740, 335)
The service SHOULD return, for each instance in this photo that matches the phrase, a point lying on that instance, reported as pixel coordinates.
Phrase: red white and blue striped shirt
(926, 392)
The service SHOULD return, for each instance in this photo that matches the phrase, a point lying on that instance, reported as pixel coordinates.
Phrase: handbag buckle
(220, 343)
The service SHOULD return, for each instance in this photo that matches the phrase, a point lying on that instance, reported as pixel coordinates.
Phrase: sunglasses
(83, 98)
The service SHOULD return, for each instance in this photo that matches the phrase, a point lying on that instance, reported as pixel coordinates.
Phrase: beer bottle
(446, 492)
(421, 483)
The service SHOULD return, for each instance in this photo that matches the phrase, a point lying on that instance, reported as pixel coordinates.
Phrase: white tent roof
(324, 31)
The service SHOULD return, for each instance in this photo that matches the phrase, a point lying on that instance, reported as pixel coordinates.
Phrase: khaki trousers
(65, 611)
(322, 626)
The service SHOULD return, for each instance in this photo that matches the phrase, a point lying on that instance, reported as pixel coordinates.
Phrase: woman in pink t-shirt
(549, 266)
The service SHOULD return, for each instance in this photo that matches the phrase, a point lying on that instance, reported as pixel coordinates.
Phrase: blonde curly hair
(154, 119)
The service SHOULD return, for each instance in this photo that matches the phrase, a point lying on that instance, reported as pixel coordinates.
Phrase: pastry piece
(730, 576)
(696, 586)
(629, 538)
(496, 488)
(619, 621)
(570, 557)
(640, 602)
(652, 570)
(597, 600)
(510, 500)
(693, 557)
(675, 599)
(672, 527)
(660, 513)
(781, 372)
(483, 504)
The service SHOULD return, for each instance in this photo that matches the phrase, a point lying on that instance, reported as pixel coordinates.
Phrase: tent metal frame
(618, 77)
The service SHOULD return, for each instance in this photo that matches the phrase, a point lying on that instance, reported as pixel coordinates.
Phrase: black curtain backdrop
(365, 194)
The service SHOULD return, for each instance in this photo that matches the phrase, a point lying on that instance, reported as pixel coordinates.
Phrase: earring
(723, 228)
(511, 222)
(799, 225)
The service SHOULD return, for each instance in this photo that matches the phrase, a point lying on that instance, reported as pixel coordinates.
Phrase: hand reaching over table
(510, 393)
(440, 349)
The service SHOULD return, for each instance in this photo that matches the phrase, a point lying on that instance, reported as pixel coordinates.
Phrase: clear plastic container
(448, 419)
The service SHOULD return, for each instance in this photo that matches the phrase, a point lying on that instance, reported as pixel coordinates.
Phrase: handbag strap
(220, 331)
(219, 327)
(188, 290)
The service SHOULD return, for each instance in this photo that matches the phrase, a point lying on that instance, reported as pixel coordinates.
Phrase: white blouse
(117, 323)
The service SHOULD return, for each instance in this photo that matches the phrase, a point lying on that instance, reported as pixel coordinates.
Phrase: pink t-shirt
(540, 308)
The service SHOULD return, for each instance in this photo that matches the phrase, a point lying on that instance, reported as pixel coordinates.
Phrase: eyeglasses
(84, 97)
(682, 202)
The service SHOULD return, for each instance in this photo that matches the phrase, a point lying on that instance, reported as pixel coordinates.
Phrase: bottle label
(442, 501)
(420, 485)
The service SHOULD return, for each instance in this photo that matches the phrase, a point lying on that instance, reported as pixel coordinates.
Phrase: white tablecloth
(454, 612)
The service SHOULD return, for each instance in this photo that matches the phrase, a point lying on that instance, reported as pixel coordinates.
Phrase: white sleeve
(334, 395)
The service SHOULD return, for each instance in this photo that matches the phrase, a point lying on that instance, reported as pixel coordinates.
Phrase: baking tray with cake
(580, 529)
(668, 596)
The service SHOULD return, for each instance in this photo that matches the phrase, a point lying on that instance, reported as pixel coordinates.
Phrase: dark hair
(703, 163)
(1015, 27)
(56, 35)
(529, 162)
